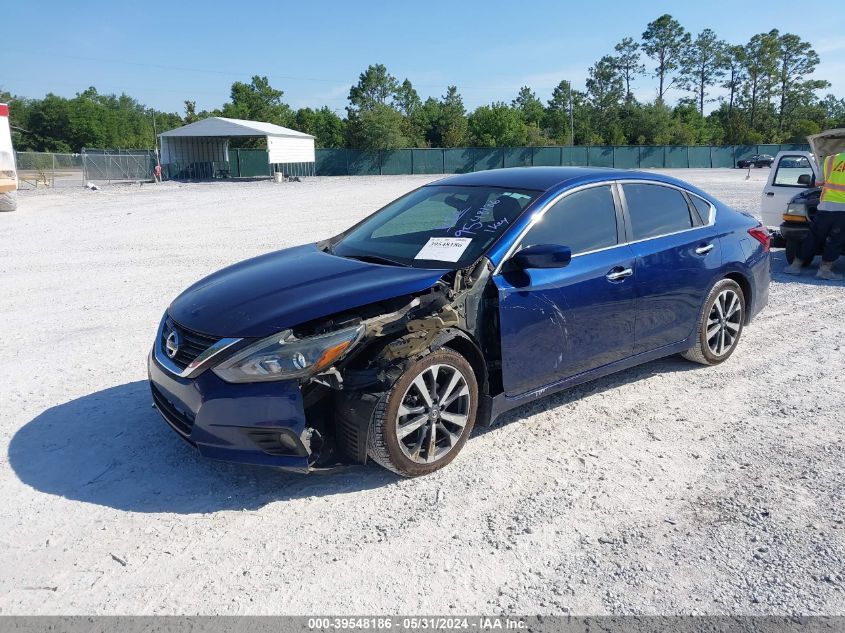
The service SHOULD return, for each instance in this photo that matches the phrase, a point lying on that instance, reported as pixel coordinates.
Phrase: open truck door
(792, 172)
(8, 171)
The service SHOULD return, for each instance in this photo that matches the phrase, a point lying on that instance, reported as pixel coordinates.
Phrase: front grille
(191, 344)
(181, 421)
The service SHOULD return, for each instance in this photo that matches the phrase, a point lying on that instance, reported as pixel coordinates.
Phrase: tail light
(761, 234)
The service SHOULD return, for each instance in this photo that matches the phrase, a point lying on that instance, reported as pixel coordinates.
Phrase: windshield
(440, 226)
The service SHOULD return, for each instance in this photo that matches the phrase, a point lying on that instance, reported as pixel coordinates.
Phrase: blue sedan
(462, 299)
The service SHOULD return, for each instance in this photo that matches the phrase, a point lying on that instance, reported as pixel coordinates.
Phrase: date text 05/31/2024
(387, 623)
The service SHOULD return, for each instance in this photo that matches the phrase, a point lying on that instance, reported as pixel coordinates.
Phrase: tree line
(762, 91)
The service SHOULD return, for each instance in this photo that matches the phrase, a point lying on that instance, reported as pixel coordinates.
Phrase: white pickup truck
(790, 197)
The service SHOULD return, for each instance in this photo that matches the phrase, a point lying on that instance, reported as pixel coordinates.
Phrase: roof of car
(541, 178)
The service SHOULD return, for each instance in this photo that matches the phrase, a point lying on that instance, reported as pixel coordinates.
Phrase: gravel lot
(666, 489)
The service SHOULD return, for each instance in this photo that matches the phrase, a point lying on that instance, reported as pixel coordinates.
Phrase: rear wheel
(720, 324)
(425, 418)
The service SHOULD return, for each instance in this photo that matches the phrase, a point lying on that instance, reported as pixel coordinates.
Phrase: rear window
(655, 210)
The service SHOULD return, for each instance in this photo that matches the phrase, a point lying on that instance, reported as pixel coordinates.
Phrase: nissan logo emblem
(172, 343)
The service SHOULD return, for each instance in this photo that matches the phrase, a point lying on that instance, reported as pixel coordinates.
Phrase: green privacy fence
(353, 162)
(248, 163)
(242, 163)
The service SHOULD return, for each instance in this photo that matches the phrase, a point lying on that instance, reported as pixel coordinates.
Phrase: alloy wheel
(724, 323)
(433, 413)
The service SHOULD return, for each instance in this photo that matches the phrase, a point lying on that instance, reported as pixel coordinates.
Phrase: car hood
(808, 196)
(827, 143)
(266, 294)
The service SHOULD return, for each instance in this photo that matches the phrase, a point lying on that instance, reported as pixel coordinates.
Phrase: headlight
(283, 357)
(796, 212)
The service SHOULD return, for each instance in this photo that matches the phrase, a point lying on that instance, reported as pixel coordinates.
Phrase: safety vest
(833, 187)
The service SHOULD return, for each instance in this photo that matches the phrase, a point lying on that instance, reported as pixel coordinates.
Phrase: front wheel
(792, 250)
(720, 324)
(421, 423)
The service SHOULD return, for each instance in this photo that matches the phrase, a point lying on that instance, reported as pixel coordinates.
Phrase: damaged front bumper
(257, 423)
(322, 422)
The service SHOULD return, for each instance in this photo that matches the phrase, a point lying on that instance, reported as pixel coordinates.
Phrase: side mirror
(541, 256)
(806, 180)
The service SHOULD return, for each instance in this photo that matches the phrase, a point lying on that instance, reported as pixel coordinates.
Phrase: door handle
(703, 250)
(770, 193)
(618, 273)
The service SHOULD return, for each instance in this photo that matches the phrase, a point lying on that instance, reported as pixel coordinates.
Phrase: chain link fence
(39, 169)
(110, 165)
(45, 169)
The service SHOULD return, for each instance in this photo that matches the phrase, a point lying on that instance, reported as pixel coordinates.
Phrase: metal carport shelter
(201, 150)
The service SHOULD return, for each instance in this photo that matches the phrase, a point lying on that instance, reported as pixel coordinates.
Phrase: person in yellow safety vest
(828, 228)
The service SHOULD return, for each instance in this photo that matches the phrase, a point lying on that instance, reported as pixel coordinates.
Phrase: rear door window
(583, 221)
(654, 210)
(703, 208)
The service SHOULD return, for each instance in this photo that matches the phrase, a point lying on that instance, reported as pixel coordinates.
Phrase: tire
(792, 248)
(409, 455)
(715, 349)
(9, 201)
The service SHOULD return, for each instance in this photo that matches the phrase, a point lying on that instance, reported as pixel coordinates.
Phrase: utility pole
(155, 135)
(571, 117)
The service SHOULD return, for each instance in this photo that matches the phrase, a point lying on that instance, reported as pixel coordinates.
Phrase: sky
(163, 53)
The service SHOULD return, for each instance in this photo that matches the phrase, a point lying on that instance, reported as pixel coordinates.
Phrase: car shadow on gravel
(808, 276)
(112, 449)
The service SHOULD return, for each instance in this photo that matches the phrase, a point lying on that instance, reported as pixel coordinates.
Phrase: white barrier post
(8, 170)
